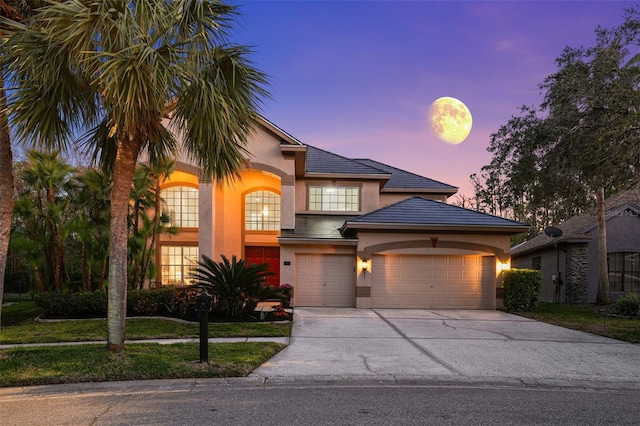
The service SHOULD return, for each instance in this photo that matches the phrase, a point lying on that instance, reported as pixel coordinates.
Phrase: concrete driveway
(404, 346)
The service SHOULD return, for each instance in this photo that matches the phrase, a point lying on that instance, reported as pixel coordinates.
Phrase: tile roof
(421, 211)
(321, 161)
(309, 226)
(579, 227)
(403, 179)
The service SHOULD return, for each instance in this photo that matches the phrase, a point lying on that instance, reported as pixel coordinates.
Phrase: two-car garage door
(398, 281)
(433, 282)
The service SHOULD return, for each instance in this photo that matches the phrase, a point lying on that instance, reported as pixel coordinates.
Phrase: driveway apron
(330, 344)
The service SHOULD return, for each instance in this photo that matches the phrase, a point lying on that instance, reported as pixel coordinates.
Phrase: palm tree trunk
(154, 234)
(125, 164)
(6, 186)
(604, 293)
(86, 285)
(36, 273)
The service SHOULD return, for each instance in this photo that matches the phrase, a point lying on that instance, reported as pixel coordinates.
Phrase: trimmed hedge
(94, 304)
(150, 302)
(521, 289)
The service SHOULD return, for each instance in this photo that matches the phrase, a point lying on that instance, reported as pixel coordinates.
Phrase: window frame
(184, 271)
(165, 207)
(323, 194)
(618, 263)
(276, 223)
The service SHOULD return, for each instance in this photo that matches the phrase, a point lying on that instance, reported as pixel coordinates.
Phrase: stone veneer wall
(576, 278)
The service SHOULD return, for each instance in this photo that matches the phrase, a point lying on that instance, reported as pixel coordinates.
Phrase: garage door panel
(324, 280)
(447, 282)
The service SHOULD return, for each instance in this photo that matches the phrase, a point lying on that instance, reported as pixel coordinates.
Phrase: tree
(120, 69)
(582, 144)
(146, 220)
(47, 179)
(594, 110)
(91, 224)
(9, 10)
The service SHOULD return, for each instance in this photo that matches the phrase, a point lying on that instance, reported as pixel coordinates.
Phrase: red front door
(270, 255)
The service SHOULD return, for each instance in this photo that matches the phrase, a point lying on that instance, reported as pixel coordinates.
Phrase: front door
(270, 255)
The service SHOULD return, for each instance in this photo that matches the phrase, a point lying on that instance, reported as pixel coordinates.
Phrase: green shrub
(235, 285)
(73, 305)
(628, 305)
(94, 304)
(521, 289)
(150, 302)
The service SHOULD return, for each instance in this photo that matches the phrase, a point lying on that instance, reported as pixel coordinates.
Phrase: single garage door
(433, 282)
(325, 280)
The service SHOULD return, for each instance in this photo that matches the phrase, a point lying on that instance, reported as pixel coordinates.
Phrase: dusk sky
(357, 78)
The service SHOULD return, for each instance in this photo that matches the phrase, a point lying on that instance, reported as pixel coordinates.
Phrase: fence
(19, 283)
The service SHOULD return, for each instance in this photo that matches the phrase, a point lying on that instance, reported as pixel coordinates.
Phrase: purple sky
(357, 78)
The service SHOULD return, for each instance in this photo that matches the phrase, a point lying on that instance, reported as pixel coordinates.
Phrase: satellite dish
(553, 232)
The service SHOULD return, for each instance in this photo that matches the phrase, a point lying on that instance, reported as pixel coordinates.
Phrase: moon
(450, 120)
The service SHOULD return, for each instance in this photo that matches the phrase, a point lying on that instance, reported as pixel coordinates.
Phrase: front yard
(590, 318)
(92, 362)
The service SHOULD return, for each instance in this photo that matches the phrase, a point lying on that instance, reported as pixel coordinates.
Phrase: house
(344, 232)
(569, 263)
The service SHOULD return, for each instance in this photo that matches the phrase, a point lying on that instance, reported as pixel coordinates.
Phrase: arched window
(181, 202)
(262, 211)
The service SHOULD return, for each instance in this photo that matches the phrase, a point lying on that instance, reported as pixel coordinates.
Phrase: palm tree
(147, 220)
(122, 70)
(91, 224)
(47, 179)
(9, 10)
(161, 221)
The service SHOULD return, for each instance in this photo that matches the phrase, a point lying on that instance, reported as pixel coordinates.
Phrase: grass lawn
(90, 363)
(589, 318)
(22, 328)
(94, 363)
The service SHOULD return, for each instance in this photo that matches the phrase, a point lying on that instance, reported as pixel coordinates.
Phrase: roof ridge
(348, 159)
(403, 170)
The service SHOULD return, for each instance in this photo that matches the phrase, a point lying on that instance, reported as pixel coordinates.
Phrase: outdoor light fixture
(364, 265)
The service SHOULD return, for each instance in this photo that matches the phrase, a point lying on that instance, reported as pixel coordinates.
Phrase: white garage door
(433, 282)
(325, 280)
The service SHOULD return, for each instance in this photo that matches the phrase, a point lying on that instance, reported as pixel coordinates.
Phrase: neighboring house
(344, 232)
(575, 254)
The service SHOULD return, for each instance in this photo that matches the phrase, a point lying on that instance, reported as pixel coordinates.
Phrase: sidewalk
(283, 340)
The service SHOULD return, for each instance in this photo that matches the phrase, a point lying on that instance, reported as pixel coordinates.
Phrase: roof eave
(348, 176)
(551, 244)
(307, 240)
(447, 191)
(278, 131)
(495, 229)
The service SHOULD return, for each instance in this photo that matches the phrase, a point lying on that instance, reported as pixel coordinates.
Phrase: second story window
(334, 198)
(181, 202)
(262, 211)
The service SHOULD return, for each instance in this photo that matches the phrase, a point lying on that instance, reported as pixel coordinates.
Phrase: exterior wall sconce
(364, 265)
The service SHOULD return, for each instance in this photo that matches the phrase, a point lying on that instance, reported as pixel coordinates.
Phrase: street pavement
(454, 346)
